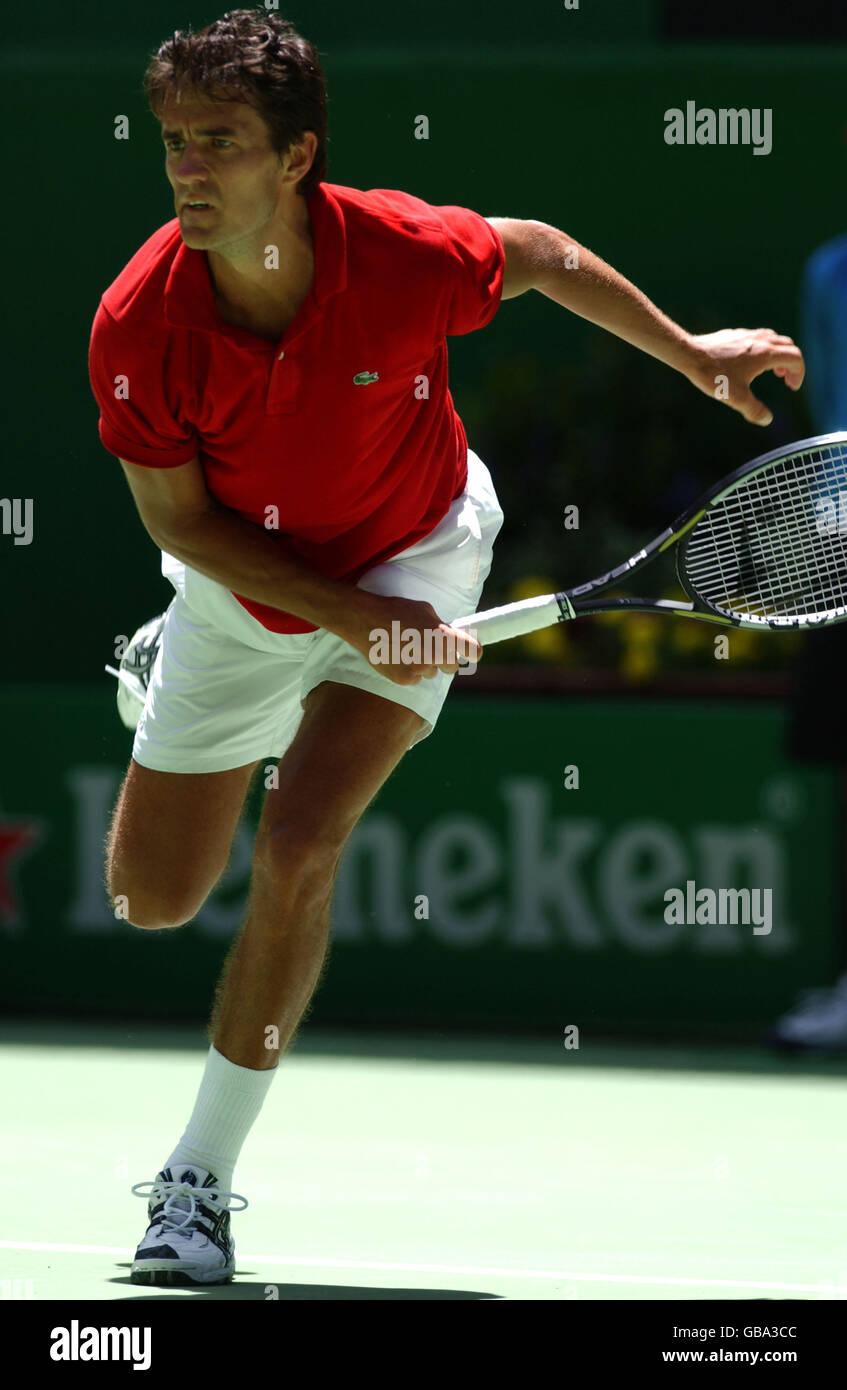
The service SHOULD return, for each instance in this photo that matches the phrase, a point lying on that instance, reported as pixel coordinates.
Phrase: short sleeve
(475, 263)
(127, 379)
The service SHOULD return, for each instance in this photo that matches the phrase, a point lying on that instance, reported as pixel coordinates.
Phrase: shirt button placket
(283, 388)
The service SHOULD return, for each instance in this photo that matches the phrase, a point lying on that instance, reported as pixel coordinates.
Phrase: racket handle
(515, 619)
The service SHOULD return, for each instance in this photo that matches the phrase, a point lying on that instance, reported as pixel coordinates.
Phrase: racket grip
(515, 619)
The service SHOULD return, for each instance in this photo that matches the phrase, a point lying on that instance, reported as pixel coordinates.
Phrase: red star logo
(15, 837)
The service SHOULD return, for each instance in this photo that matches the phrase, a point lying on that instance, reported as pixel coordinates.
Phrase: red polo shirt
(346, 425)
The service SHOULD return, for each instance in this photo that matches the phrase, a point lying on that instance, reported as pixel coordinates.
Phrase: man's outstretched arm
(721, 365)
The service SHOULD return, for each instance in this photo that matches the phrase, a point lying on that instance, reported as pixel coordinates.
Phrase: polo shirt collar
(189, 302)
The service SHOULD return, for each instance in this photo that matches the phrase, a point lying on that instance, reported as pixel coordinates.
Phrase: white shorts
(224, 691)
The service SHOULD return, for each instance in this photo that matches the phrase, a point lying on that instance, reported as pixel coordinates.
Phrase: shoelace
(124, 679)
(179, 1191)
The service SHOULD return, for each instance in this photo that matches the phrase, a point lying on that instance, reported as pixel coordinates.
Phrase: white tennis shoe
(188, 1239)
(135, 670)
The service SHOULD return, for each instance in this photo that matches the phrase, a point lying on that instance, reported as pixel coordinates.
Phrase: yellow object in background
(645, 642)
(640, 641)
(548, 643)
(688, 637)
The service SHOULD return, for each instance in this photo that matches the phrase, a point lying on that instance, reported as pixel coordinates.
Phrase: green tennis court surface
(436, 1168)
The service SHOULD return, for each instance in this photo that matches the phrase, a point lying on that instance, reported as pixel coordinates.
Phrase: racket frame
(575, 603)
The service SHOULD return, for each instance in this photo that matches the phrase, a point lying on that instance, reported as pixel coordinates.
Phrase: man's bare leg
(170, 839)
(346, 747)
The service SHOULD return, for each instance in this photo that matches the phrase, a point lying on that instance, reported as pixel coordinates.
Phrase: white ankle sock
(228, 1102)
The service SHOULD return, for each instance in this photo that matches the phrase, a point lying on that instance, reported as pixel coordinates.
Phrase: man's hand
(405, 640)
(723, 365)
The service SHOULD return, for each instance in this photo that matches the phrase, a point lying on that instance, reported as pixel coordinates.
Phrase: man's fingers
(754, 410)
(441, 648)
(785, 361)
(461, 641)
(459, 649)
(772, 335)
(742, 355)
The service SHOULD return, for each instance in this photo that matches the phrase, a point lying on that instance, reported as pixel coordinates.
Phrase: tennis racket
(766, 547)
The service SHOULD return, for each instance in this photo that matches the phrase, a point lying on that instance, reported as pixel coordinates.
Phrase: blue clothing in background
(817, 729)
(824, 335)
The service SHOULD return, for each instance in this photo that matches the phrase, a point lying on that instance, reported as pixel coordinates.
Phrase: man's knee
(169, 842)
(299, 855)
(149, 906)
(152, 913)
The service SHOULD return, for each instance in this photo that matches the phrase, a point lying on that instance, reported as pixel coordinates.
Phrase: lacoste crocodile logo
(365, 378)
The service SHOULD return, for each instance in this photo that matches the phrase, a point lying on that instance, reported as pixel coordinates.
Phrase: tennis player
(271, 372)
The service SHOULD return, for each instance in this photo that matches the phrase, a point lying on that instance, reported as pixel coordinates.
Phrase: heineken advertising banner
(545, 863)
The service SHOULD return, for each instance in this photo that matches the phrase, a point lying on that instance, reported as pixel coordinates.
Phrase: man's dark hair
(254, 57)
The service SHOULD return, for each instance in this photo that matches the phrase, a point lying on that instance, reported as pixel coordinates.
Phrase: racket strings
(765, 563)
(775, 545)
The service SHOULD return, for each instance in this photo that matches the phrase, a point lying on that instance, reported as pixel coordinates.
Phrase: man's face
(219, 154)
